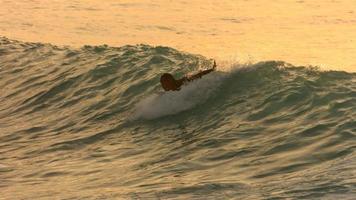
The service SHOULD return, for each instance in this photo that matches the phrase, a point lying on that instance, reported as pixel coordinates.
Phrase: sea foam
(173, 102)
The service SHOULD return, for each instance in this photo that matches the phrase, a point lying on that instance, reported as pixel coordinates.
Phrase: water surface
(301, 32)
(93, 123)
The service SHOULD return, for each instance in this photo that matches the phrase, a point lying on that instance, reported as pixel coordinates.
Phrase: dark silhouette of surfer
(170, 84)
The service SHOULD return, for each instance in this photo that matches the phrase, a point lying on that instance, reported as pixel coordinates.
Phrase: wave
(232, 131)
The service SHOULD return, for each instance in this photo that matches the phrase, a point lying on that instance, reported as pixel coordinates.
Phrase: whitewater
(94, 123)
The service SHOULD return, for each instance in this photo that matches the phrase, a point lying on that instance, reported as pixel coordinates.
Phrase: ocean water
(302, 32)
(93, 123)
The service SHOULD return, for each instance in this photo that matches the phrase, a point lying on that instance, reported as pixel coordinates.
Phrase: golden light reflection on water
(300, 32)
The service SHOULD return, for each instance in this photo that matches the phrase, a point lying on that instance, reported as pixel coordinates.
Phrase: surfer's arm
(201, 73)
(185, 79)
(181, 81)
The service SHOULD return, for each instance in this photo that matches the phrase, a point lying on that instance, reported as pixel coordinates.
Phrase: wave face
(93, 123)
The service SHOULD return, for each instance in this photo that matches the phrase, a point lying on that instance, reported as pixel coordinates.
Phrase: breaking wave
(95, 120)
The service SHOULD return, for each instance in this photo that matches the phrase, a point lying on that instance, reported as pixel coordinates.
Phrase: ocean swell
(95, 122)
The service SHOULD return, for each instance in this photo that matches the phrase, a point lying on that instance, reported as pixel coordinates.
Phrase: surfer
(168, 82)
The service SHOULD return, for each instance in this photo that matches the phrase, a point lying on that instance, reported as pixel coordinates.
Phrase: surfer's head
(168, 82)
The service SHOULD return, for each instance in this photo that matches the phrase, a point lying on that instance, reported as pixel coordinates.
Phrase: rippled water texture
(302, 32)
(93, 123)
